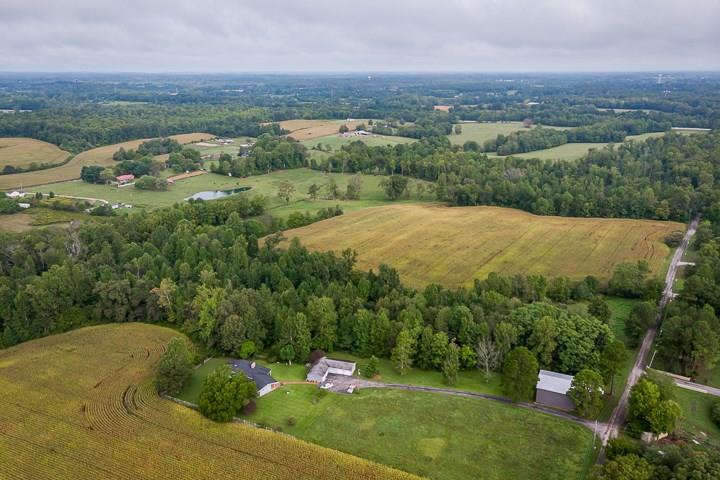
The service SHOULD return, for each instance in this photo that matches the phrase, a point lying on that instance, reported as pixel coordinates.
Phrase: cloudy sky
(365, 35)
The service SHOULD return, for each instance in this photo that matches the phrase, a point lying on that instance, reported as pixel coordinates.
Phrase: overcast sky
(360, 35)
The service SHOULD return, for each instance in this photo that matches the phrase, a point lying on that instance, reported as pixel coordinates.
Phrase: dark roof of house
(258, 374)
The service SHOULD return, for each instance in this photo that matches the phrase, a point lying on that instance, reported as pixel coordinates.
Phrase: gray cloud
(371, 35)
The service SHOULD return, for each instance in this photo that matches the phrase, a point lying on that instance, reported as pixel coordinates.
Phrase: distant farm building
(552, 389)
(122, 180)
(16, 194)
(327, 366)
(24, 205)
(527, 123)
(258, 374)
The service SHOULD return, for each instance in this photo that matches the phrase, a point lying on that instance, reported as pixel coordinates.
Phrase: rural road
(617, 419)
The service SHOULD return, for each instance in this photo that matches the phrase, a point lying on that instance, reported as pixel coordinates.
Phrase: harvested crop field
(310, 129)
(22, 152)
(454, 246)
(80, 405)
(71, 170)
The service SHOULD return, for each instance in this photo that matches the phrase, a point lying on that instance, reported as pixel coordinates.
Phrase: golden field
(80, 405)
(71, 170)
(311, 129)
(21, 152)
(454, 246)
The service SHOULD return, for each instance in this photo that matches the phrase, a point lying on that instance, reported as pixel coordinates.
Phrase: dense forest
(199, 266)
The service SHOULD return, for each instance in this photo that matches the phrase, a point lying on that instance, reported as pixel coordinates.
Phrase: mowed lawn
(310, 129)
(432, 435)
(696, 418)
(71, 170)
(22, 152)
(81, 405)
(454, 246)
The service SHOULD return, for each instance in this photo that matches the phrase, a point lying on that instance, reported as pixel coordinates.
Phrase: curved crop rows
(81, 405)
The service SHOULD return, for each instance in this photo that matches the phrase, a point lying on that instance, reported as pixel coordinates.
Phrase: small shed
(552, 388)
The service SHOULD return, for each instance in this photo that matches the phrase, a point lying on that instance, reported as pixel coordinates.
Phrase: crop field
(454, 246)
(335, 141)
(21, 152)
(81, 406)
(266, 185)
(71, 170)
(311, 129)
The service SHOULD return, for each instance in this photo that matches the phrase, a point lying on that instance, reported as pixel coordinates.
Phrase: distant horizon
(404, 36)
(358, 72)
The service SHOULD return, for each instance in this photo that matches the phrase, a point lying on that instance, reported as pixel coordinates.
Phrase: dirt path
(617, 419)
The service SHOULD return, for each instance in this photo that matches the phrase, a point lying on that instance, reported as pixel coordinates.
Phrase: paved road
(341, 382)
(617, 419)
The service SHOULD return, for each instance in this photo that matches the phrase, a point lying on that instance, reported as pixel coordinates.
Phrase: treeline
(427, 125)
(669, 177)
(615, 130)
(526, 141)
(79, 128)
(34, 166)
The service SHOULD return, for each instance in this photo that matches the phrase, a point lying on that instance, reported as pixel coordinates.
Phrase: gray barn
(552, 388)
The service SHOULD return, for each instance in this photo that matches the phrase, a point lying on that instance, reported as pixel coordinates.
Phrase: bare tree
(286, 190)
(488, 355)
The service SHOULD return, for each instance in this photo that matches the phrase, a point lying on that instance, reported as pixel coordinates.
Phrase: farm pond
(216, 194)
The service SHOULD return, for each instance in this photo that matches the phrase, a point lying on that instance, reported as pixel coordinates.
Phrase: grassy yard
(279, 371)
(437, 436)
(696, 414)
(472, 380)
(454, 246)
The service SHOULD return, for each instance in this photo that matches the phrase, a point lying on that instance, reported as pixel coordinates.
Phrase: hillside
(71, 170)
(453, 246)
(80, 406)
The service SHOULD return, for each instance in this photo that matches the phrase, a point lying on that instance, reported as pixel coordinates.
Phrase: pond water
(215, 194)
